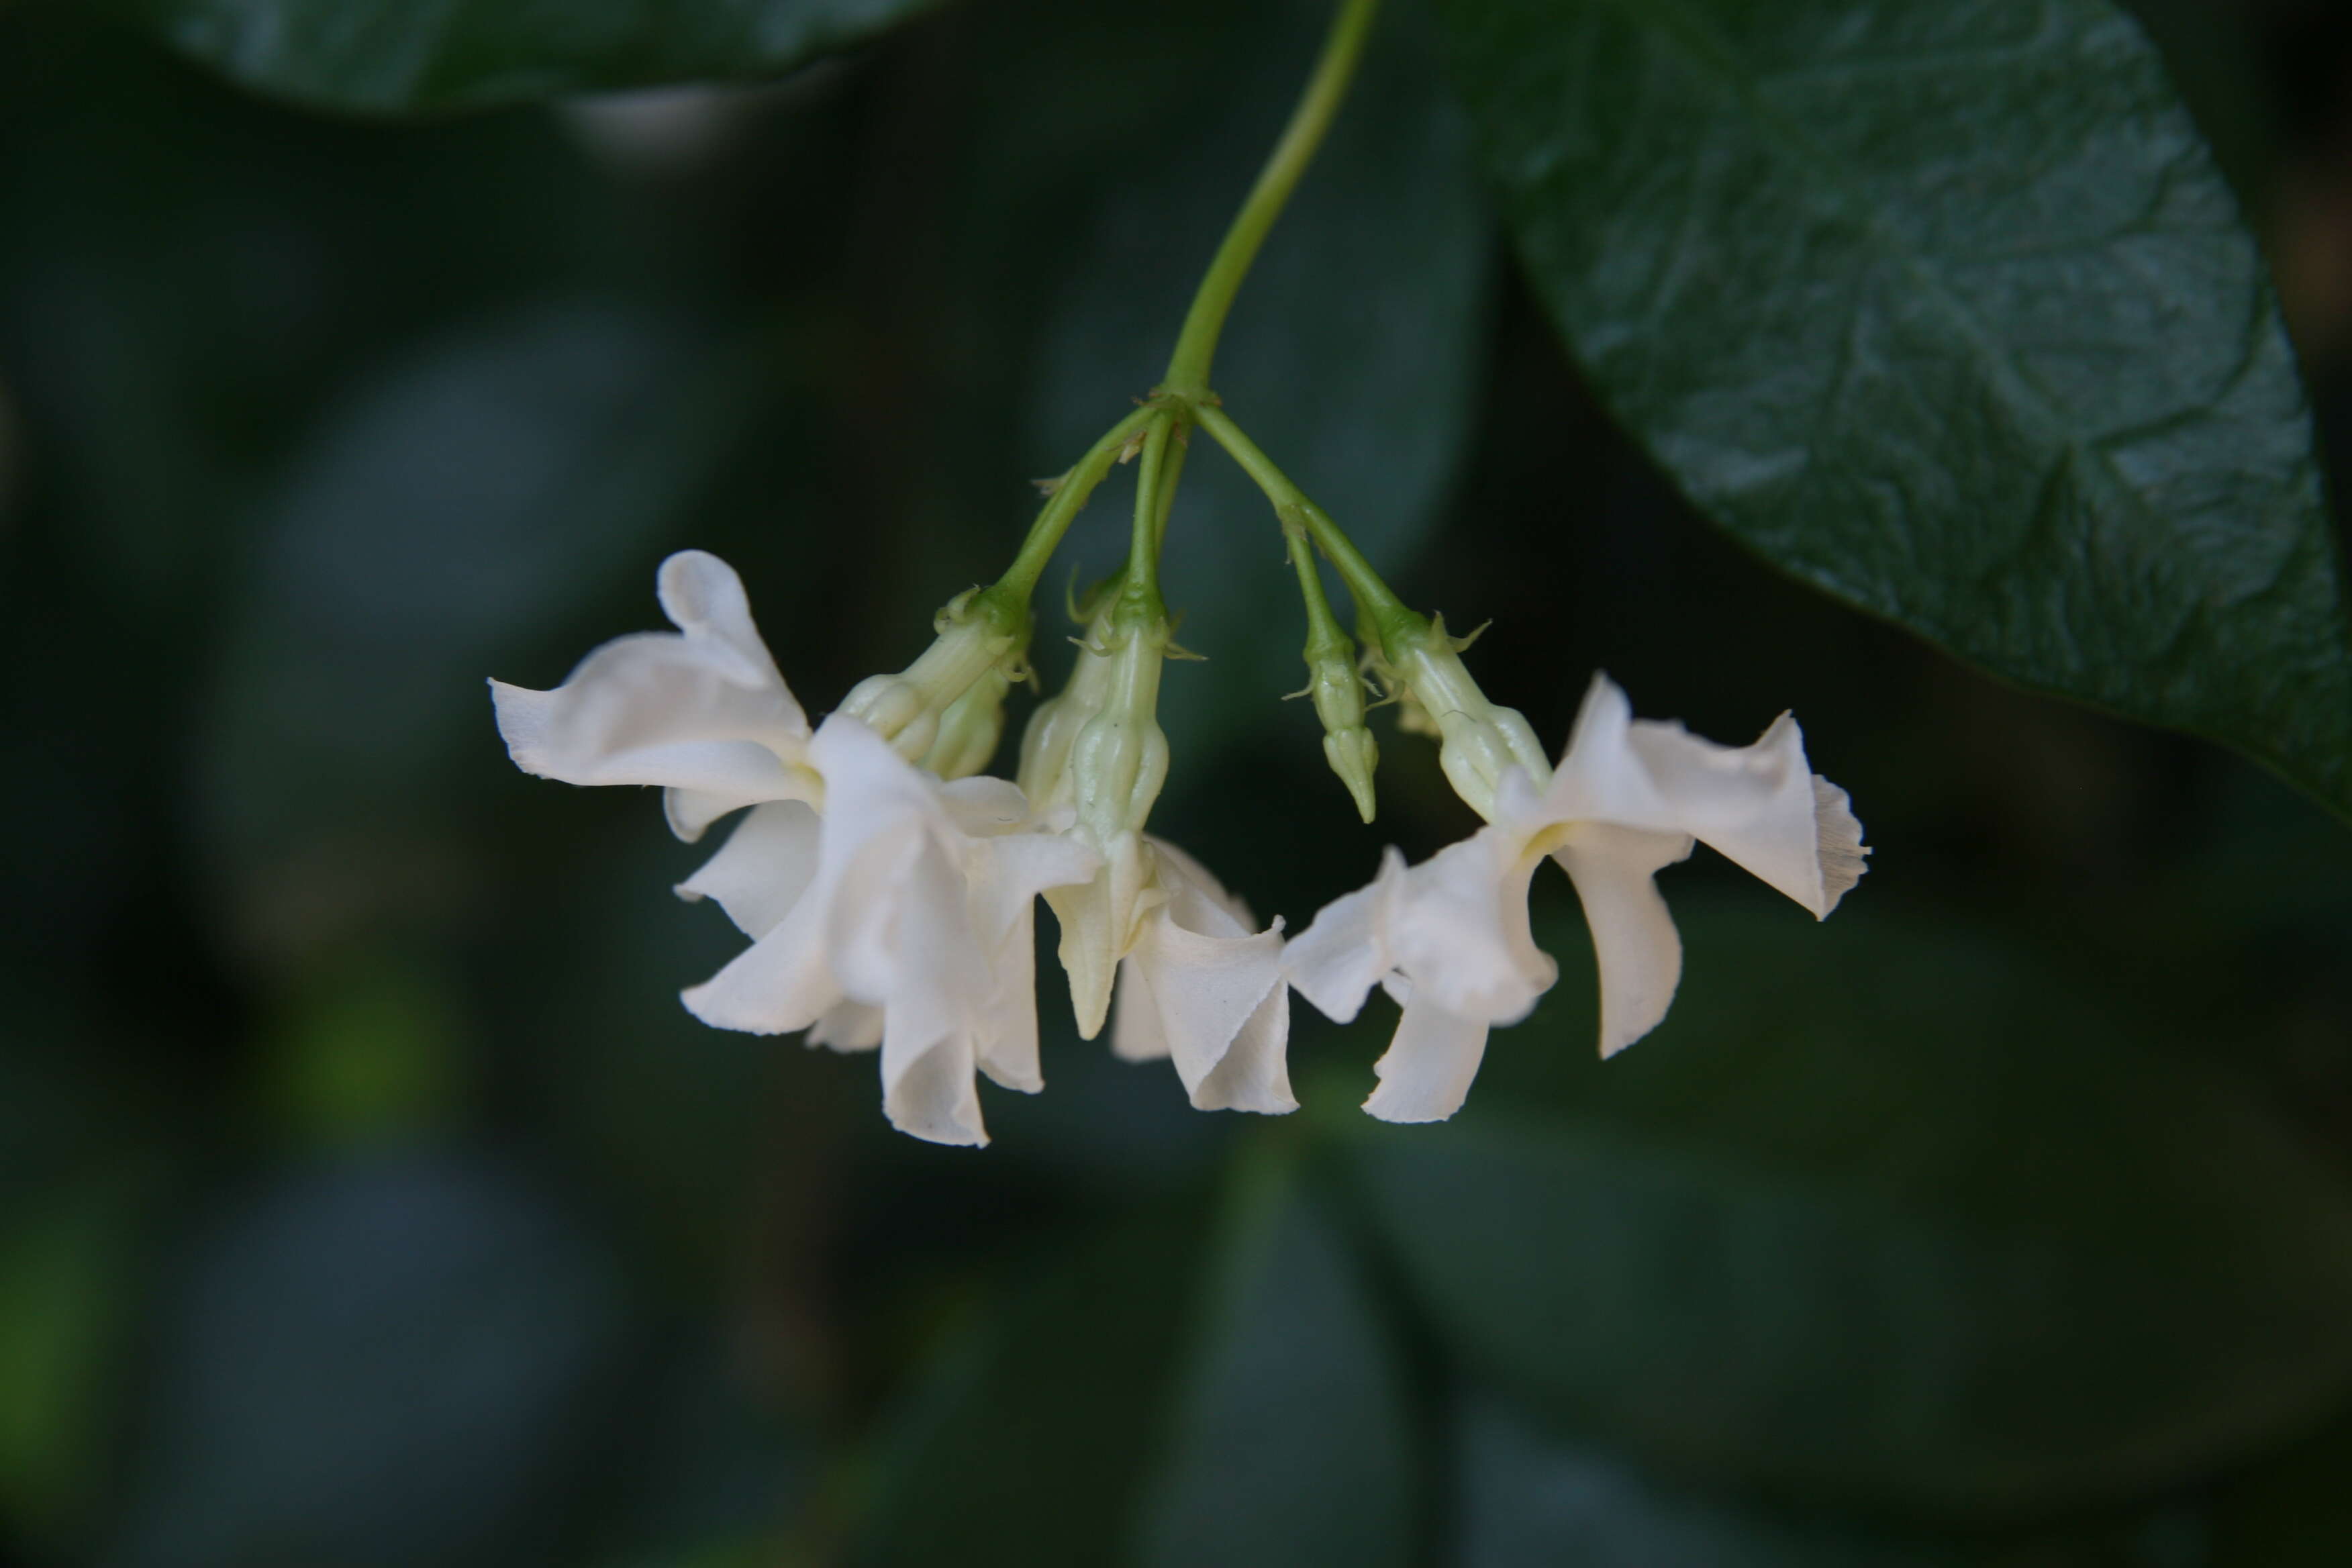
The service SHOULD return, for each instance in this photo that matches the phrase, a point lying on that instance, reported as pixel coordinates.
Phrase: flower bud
(981, 639)
(1105, 757)
(1479, 740)
(1339, 692)
(971, 726)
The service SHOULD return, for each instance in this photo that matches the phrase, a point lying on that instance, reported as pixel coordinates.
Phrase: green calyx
(947, 709)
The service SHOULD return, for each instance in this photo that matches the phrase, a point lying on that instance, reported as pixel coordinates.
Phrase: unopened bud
(971, 728)
(1479, 740)
(1104, 756)
(1338, 693)
(980, 642)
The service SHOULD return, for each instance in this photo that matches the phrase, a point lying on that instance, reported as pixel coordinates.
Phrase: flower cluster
(888, 887)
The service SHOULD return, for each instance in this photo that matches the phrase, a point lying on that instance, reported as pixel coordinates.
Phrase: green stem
(1142, 586)
(1062, 508)
(1388, 614)
(1324, 632)
(1196, 345)
(1177, 447)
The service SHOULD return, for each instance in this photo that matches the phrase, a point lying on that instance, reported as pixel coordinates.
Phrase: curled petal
(1254, 1072)
(701, 712)
(780, 984)
(1217, 991)
(1755, 805)
(1426, 1071)
(926, 974)
(1343, 952)
(1839, 837)
(1634, 942)
(705, 600)
(929, 1090)
(765, 866)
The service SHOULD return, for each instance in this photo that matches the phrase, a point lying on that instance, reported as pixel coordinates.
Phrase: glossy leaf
(382, 56)
(1880, 1213)
(1531, 1499)
(1946, 310)
(1029, 1445)
(1293, 1441)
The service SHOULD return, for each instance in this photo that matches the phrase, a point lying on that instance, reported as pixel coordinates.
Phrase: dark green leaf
(387, 57)
(1882, 1213)
(1029, 1443)
(1530, 1499)
(1944, 308)
(1293, 1442)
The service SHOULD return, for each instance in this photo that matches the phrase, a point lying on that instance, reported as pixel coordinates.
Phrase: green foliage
(1946, 310)
(2086, 1264)
(387, 57)
(1294, 1441)
(1531, 1499)
(371, 1199)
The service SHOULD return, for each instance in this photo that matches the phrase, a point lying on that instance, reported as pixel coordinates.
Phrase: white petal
(849, 1026)
(701, 713)
(1099, 921)
(870, 788)
(1134, 1032)
(1010, 871)
(1634, 938)
(765, 866)
(1342, 954)
(1839, 835)
(1196, 882)
(1254, 1072)
(1007, 1040)
(1754, 805)
(933, 986)
(983, 804)
(1460, 931)
(927, 1087)
(1207, 990)
(780, 984)
(704, 598)
(1426, 1071)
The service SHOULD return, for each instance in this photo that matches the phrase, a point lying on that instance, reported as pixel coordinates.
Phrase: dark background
(370, 1199)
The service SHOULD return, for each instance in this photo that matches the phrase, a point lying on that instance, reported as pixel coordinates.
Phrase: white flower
(1449, 938)
(903, 917)
(887, 908)
(1195, 981)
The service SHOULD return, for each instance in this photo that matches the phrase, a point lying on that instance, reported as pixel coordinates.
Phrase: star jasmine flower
(1450, 939)
(903, 917)
(887, 908)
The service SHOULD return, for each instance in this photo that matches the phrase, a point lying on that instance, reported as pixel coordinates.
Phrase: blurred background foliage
(371, 1202)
